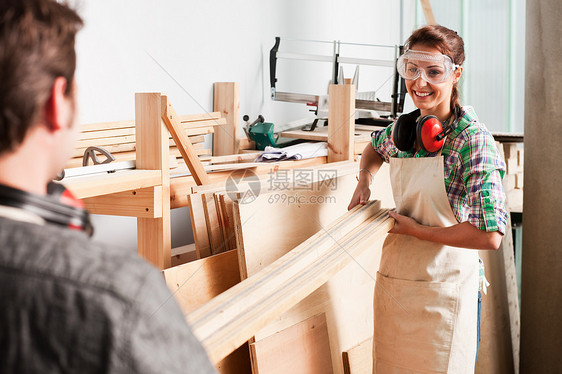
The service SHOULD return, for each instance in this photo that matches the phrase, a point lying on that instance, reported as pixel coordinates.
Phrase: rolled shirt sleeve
(483, 172)
(383, 144)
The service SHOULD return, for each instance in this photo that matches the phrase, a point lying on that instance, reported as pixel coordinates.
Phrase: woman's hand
(402, 224)
(370, 164)
(462, 235)
(361, 195)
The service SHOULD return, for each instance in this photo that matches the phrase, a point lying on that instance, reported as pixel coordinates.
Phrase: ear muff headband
(47, 207)
(427, 130)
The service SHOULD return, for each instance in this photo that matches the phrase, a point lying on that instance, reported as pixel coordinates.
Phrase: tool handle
(273, 65)
(259, 119)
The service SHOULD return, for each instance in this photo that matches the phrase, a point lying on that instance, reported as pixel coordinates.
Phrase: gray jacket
(68, 305)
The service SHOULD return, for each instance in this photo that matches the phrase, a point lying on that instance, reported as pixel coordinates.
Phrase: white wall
(201, 42)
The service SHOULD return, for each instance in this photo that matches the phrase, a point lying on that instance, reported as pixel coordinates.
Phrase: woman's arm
(463, 235)
(371, 161)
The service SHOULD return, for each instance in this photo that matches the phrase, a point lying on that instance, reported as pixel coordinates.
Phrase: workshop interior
(223, 142)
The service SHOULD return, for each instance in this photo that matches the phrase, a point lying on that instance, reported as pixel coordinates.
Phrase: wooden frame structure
(151, 190)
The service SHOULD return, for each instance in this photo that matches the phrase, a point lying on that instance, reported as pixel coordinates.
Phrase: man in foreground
(68, 305)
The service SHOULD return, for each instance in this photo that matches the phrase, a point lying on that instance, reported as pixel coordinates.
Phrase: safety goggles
(432, 67)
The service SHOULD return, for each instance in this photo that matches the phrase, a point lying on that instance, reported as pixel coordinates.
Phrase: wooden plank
(227, 102)
(359, 359)
(121, 156)
(199, 131)
(197, 139)
(199, 117)
(509, 149)
(127, 135)
(341, 119)
(512, 292)
(202, 152)
(100, 134)
(180, 189)
(221, 217)
(234, 158)
(103, 184)
(107, 125)
(199, 281)
(428, 12)
(182, 168)
(495, 354)
(306, 343)
(199, 225)
(182, 141)
(246, 144)
(231, 318)
(227, 205)
(320, 134)
(213, 228)
(237, 166)
(199, 146)
(153, 234)
(112, 148)
(144, 202)
(73, 162)
(101, 142)
(359, 147)
(195, 283)
(204, 123)
(184, 254)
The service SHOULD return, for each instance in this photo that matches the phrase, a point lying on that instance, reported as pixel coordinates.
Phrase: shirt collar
(468, 115)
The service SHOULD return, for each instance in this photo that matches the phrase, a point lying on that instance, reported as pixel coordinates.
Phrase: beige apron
(426, 293)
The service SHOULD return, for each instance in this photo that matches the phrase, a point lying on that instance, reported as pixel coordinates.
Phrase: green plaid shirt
(473, 171)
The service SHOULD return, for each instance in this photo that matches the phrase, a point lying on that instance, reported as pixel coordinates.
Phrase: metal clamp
(90, 153)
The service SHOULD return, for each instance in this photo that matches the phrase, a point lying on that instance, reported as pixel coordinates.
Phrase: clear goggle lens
(432, 67)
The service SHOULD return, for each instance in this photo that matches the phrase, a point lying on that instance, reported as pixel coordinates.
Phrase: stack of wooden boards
(211, 206)
(119, 138)
(513, 179)
(334, 318)
(330, 330)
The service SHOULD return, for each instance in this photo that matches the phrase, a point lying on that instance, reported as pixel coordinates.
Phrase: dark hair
(448, 42)
(36, 46)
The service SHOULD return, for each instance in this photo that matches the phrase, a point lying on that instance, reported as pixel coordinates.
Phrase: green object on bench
(262, 133)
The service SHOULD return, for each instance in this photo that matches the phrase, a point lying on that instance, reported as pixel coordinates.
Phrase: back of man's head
(36, 46)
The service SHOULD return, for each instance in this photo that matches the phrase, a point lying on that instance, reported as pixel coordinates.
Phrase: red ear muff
(429, 131)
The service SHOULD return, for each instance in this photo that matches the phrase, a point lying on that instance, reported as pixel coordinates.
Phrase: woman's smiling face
(431, 98)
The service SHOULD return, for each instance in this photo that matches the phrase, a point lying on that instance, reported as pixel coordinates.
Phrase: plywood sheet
(197, 282)
(306, 343)
(347, 298)
(359, 359)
